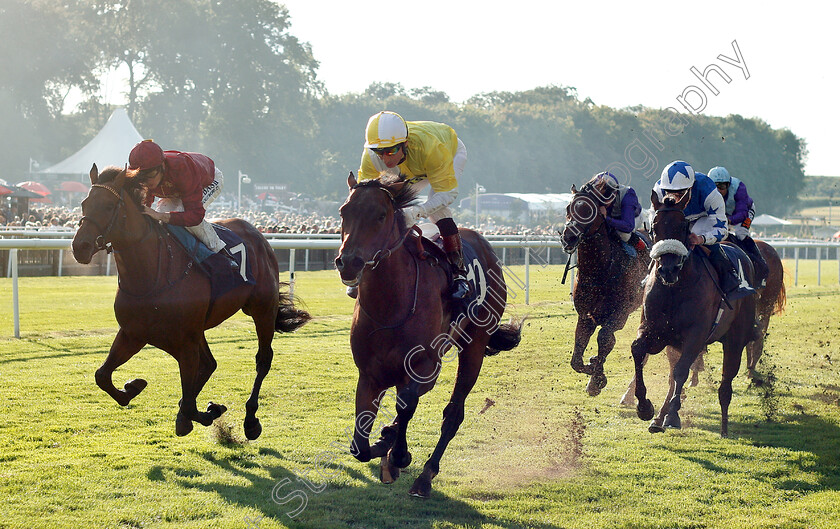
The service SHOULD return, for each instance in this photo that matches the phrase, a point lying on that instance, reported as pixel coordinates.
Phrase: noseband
(101, 243)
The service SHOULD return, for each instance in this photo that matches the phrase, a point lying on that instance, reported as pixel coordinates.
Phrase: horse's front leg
(656, 425)
(642, 346)
(121, 351)
(629, 397)
(606, 342)
(196, 365)
(366, 408)
(583, 332)
(680, 371)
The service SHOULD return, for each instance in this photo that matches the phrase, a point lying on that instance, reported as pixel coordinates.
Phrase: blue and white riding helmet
(678, 175)
(720, 175)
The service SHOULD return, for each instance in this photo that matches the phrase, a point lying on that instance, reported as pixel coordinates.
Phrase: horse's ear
(351, 180)
(94, 174)
(654, 200)
(574, 189)
(120, 179)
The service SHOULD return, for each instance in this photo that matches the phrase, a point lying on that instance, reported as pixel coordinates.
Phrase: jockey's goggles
(388, 151)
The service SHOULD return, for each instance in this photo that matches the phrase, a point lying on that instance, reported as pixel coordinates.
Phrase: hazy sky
(616, 53)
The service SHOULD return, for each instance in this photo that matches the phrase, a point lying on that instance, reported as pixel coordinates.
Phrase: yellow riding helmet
(385, 129)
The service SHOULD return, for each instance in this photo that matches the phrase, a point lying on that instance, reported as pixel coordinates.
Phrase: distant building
(519, 206)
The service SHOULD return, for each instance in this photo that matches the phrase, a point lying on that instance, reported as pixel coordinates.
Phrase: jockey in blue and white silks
(706, 211)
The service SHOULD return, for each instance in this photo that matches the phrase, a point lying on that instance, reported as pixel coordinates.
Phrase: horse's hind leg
(195, 369)
(121, 351)
(732, 351)
(265, 354)
(469, 366)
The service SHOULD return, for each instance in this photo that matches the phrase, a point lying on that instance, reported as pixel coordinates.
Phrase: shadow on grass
(800, 433)
(306, 501)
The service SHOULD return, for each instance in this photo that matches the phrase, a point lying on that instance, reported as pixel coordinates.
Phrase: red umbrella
(71, 186)
(263, 196)
(5, 190)
(35, 187)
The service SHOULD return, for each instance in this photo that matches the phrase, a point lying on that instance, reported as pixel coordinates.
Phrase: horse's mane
(403, 195)
(134, 189)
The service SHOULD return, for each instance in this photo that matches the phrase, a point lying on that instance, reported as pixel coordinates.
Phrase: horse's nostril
(339, 264)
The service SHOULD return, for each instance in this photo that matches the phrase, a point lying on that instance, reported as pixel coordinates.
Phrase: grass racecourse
(544, 455)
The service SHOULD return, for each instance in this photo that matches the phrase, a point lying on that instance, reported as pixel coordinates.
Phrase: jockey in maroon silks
(184, 183)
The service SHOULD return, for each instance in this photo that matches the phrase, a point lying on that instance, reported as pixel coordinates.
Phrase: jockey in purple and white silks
(621, 210)
(706, 212)
(740, 210)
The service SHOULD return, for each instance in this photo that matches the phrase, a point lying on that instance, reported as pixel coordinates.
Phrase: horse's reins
(102, 244)
(385, 253)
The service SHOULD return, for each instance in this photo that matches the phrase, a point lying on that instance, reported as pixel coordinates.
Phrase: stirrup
(460, 288)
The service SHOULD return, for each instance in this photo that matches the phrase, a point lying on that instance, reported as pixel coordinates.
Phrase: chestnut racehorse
(164, 301)
(404, 322)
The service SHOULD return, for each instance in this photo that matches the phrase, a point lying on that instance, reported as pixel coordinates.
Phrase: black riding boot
(760, 265)
(730, 283)
(455, 256)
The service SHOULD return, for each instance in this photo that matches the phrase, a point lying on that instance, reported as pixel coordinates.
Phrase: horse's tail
(781, 300)
(289, 318)
(505, 337)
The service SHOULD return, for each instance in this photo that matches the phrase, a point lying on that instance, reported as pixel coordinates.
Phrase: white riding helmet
(385, 129)
(720, 175)
(677, 176)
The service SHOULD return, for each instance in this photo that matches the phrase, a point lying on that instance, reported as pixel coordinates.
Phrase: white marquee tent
(110, 147)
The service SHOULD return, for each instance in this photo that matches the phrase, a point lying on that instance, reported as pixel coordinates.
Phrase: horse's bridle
(592, 229)
(386, 251)
(100, 241)
(655, 255)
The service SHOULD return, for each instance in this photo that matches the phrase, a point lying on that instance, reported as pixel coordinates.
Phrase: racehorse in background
(162, 300)
(608, 285)
(404, 322)
(683, 309)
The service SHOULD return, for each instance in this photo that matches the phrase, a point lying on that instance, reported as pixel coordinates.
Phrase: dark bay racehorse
(771, 300)
(680, 310)
(164, 301)
(608, 285)
(404, 323)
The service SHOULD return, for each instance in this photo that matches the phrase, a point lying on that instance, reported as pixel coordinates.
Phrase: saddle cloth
(432, 246)
(223, 277)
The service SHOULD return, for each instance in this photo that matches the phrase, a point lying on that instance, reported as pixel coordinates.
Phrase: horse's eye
(381, 217)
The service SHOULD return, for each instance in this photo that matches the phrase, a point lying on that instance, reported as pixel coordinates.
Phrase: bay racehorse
(683, 309)
(404, 322)
(771, 300)
(608, 285)
(164, 301)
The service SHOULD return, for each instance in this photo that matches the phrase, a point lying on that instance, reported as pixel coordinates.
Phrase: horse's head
(670, 234)
(583, 218)
(371, 222)
(104, 212)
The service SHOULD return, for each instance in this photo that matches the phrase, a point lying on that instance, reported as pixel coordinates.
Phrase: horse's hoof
(134, 387)
(422, 488)
(592, 389)
(388, 473)
(252, 428)
(672, 420)
(656, 428)
(644, 409)
(183, 426)
(399, 462)
(216, 410)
